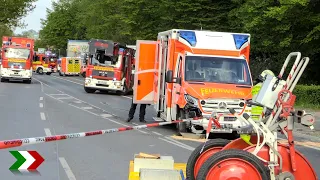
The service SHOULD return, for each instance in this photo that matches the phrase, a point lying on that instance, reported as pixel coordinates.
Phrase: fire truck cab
(109, 67)
(44, 63)
(17, 54)
(190, 73)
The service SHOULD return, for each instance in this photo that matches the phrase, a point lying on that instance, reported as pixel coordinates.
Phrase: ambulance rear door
(144, 72)
(76, 65)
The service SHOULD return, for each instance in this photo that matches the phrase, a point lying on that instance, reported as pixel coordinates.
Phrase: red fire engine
(17, 55)
(109, 67)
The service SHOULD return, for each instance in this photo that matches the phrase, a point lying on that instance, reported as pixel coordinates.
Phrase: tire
(182, 126)
(48, 73)
(83, 74)
(88, 90)
(40, 71)
(233, 155)
(125, 90)
(3, 80)
(60, 74)
(194, 163)
(27, 81)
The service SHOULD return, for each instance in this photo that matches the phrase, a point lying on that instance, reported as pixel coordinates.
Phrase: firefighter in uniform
(256, 111)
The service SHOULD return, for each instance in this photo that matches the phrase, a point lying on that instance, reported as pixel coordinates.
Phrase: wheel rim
(203, 157)
(233, 169)
(40, 70)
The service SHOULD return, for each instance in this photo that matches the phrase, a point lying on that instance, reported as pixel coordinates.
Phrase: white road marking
(64, 98)
(43, 116)
(86, 103)
(54, 98)
(41, 105)
(156, 133)
(58, 94)
(177, 142)
(87, 108)
(41, 98)
(69, 80)
(185, 147)
(143, 132)
(47, 131)
(78, 102)
(136, 124)
(127, 97)
(67, 168)
(106, 115)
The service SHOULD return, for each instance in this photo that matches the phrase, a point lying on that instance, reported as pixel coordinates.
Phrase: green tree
(12, 11)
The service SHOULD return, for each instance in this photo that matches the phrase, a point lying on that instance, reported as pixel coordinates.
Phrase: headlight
(117, 84)
(12, 66)
(191, 100)
(20, 67)
(88, 81)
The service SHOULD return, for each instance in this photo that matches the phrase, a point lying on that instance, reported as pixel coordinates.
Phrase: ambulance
(70, 66)
(192, 73)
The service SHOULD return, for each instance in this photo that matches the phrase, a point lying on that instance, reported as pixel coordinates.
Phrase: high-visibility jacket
(256, 111)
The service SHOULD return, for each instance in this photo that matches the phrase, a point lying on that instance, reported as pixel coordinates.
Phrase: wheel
(83, 74)
(196, 159)
(181, 126)
(88, 90)
(233, 164)
(27, 81)
(60, 74)
(40, 71)
(48, 73)
(3, 80)
(124, 91)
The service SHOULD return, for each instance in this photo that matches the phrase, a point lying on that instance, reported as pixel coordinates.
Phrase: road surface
(57, 105)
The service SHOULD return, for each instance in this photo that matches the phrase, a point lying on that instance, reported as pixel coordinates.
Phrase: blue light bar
(189, 36)
(240, 39)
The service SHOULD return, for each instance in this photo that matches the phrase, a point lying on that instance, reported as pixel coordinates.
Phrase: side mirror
(169, 78)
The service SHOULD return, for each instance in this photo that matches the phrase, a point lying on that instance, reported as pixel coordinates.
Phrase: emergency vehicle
(70, 66)
(191, 73)
(109, 67)
(17, 55)
(45, 63)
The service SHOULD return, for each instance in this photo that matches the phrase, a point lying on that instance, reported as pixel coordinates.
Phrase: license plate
(102, 82)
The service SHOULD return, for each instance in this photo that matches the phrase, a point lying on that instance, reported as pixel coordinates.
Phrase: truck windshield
(217, 70)
(102, 60)
(18, 53)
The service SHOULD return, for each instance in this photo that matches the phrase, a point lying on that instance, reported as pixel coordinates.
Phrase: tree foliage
(277, 27)
(11, 11)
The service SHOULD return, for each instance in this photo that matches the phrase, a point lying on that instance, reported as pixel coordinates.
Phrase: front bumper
(103, 84)
(228, 124)
(23, 74)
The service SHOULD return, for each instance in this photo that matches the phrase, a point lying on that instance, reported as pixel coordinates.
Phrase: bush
(307, 96)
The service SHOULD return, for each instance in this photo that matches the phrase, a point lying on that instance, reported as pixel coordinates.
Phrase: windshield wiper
(196, 82)
(243, 86)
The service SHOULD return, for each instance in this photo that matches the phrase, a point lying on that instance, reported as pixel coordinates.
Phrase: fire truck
(44, 63)
(109, 67)
(191, 73)
(17, 55)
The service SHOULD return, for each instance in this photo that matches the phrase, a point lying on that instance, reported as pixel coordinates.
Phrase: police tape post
(36, 140)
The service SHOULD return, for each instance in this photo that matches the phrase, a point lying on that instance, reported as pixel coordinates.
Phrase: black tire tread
(196, 153)
(233, 153)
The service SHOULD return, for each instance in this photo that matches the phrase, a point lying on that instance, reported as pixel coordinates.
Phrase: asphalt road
(57, 105)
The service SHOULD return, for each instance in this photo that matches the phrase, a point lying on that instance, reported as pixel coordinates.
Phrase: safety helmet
(264, 74)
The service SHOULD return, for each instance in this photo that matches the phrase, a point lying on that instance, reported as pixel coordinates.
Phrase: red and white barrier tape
(36, 140)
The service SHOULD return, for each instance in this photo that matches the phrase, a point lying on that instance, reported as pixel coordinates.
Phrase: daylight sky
(33, 18)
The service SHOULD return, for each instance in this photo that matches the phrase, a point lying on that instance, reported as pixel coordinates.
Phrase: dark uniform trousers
(133, 109)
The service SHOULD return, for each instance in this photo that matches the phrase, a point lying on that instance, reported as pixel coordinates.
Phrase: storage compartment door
(144, 72)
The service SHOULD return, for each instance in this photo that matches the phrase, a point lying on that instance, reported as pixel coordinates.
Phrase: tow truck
(17, 55)
(191, 73)
(109, 67)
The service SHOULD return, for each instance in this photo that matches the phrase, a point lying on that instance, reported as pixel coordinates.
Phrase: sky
(33, 18)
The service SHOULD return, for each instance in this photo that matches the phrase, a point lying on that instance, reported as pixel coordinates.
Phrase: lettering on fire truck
(99, 68)
(206, 91)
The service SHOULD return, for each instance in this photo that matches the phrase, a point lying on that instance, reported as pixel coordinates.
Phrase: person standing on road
(141, 113)
(256, 111)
